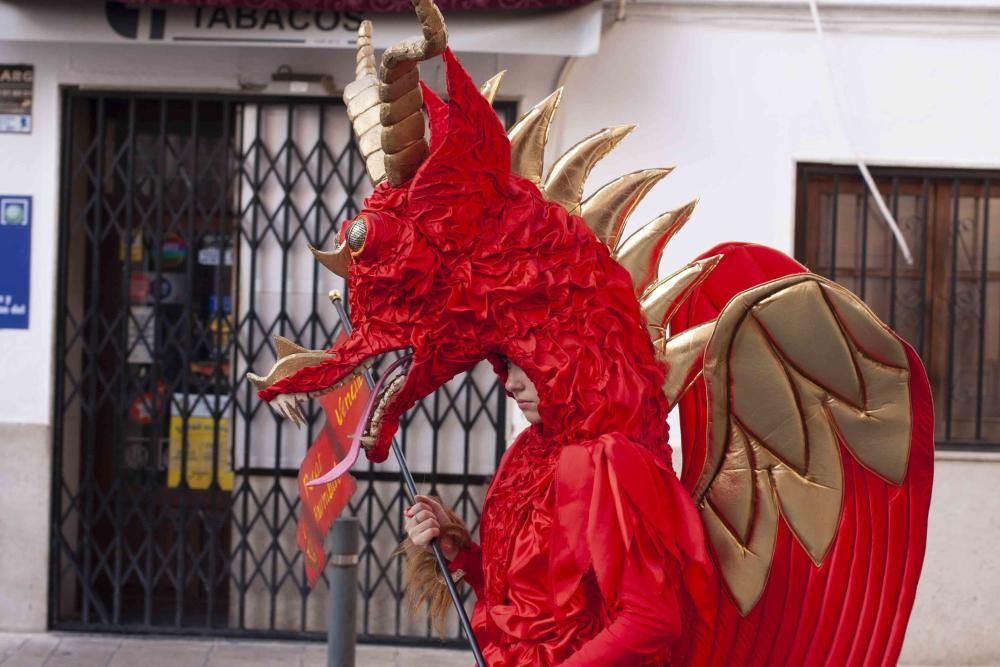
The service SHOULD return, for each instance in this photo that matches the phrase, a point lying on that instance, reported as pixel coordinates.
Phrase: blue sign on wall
(15, 260)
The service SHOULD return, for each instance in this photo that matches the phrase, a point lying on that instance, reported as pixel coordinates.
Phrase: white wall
(956, 614)
(734, 105)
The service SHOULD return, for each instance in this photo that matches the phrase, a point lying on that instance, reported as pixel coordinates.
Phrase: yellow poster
(200, 444)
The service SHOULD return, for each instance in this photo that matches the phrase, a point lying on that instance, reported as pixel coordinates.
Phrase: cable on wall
(887, 216)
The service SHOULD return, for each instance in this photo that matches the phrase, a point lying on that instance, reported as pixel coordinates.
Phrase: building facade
(174, 183)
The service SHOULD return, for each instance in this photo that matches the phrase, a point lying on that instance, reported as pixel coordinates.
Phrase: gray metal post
(341, 624)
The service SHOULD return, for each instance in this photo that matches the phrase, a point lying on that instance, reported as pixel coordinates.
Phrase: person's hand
(426, 520)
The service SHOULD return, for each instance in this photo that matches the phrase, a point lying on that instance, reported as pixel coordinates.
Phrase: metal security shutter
(184, 225)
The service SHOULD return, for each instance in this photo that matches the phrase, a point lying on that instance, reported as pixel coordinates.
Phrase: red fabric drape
(368, 5)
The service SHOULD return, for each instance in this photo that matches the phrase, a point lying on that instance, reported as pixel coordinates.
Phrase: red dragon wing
(808, 448)
(807, 429)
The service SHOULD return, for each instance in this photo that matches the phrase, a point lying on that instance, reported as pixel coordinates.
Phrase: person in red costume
(796, 533)
(528, 627)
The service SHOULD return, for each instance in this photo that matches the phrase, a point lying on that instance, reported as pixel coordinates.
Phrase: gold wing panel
(735, 553)
(802, 308)
(793, 367)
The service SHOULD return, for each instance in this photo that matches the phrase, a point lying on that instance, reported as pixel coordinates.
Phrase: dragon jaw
(301, 376)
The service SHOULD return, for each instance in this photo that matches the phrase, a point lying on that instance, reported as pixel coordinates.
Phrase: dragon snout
(291, 359)
(292, 379)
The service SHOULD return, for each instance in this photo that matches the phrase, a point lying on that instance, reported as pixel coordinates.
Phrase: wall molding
(967, 456)
(945, 19)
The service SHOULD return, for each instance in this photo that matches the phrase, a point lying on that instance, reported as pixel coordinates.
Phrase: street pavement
(57, 649)
(75, 650)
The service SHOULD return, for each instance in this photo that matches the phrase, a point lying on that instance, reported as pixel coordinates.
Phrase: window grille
(183, 228)
(947, 304)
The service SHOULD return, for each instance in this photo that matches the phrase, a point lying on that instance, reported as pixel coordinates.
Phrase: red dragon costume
(796, 532)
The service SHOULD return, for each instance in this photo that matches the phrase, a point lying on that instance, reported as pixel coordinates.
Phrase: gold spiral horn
(401, 111)
(361, 97)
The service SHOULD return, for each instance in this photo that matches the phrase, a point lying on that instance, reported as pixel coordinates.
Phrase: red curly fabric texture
(469, 261)
(576, 567)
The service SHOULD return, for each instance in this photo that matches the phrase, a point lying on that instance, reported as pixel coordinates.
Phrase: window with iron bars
(946, 304)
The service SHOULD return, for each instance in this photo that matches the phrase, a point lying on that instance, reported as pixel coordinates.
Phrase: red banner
(321, 505)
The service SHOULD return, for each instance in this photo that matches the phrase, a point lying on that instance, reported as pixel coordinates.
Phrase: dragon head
(463, 253)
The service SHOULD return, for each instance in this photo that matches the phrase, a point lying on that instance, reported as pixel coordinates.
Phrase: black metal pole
(411, 491)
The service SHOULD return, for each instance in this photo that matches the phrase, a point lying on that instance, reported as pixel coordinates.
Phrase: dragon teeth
(375, 422)
(287, 406)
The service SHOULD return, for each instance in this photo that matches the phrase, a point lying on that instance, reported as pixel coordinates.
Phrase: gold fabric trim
(287, 366)
(683, 355)
(390, 97)
(606, 211)
(409, 105)
(368, 121)
(490, 88)
(371, 142)
(286, 347)
(390, 92)
(660, 302)
(528, 137)
(336, 261)
(564, 184)
(400, 166)
(361, 97)
(397, 138)
(640, 253)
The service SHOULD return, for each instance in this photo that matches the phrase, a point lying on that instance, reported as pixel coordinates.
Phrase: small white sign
(15, 123)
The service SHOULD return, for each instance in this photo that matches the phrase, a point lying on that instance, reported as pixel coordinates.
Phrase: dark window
(947, 303)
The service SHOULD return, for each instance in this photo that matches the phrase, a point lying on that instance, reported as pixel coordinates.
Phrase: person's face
(524, 392)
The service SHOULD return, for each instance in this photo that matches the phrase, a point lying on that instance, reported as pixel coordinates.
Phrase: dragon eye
(357, 233)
